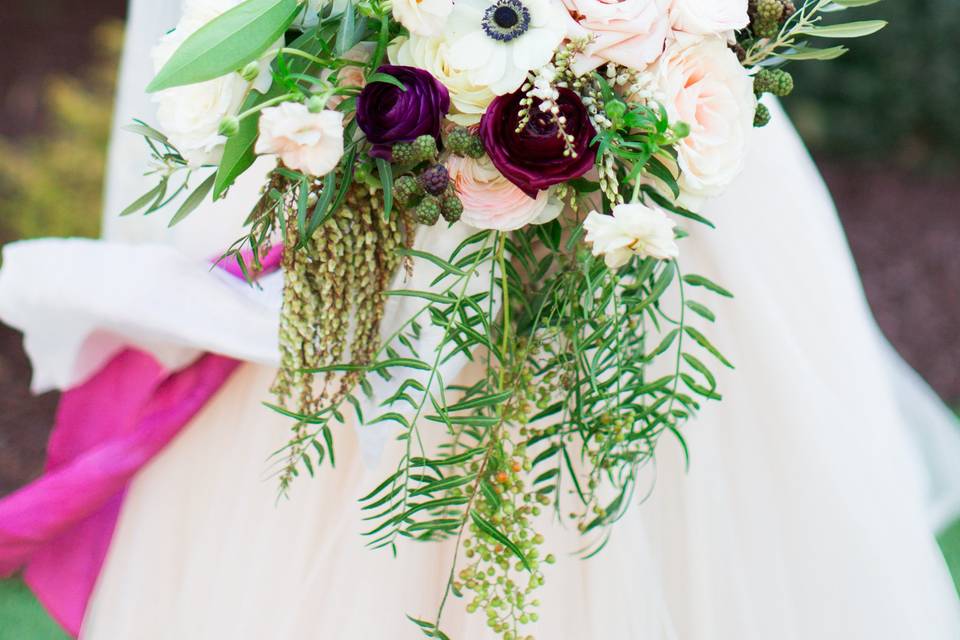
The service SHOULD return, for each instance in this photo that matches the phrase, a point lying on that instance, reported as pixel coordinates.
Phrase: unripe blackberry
(458, 140)
(421, 149)
(434, 179)
(775, 81)
(762, 116)
(788, 9)
(406, 189)
(769, 11)
(764, 81)
(450, 206)
(402, 153)
(463, 143)
(476, 150)
(784, 84)
(428, 211)
(425, 147)
(765, 28)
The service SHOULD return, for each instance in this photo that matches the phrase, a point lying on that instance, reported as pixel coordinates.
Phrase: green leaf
(386, 181)
(813, 53)
(700, 339)
(227, 43)
(351, 30)
(194, 199)
(145, 130)
(143, 200)
(847, 30)
(425, 295)
(483, 401)
(486, 527)
(328, 439)
(386, 77)
(429, 257)
(701, 310)
(700, 281)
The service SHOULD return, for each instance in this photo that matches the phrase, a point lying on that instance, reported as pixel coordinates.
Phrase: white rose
(704, 17)
(190, 115)
(633, 229)
(423, 17)
(469, 100)
(704, 85)
(307, 142)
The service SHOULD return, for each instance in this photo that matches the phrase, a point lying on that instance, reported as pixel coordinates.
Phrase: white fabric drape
(806, 512)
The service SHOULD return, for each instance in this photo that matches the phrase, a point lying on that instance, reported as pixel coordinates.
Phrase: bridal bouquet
(557, 151)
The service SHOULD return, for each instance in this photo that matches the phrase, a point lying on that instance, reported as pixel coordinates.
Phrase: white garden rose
(704, 85)
(469, 100)
(423, 17)
(704, 17)
(190, 115)
(633, 230)
(304, 141)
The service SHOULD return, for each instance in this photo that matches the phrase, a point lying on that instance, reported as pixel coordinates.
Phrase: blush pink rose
(631, 33)
(490, 201)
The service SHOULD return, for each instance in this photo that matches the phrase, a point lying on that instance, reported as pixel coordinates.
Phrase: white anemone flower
(497, 42)
(633, 229)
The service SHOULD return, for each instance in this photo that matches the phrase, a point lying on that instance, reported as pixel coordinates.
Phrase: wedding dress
(807, 511)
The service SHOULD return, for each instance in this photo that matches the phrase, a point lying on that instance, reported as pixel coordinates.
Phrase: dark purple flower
(388, 114)
(534, 159)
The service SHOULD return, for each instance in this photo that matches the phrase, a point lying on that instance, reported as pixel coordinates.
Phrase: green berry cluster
(501, 583)
(762, 117)
(413, 153)
(766, 16)
(425, 208)
(463, 143)
(775, 81)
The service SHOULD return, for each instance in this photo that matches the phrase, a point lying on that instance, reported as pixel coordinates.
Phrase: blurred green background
(882, 123)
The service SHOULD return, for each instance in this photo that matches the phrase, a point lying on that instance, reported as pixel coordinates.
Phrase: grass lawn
(22, 617)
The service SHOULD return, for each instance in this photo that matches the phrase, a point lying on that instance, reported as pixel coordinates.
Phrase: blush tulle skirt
(807, 511)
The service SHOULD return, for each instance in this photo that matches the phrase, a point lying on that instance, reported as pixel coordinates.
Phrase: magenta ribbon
(58, 528)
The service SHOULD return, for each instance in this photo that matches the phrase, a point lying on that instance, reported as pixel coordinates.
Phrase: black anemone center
(506, 20)
(505, 17)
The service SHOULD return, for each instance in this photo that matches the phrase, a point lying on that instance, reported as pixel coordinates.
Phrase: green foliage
(895, 95)
(227, 43)
(51, 182)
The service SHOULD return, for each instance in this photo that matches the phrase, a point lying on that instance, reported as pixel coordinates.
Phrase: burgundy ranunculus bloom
(388, 114)
(533, 159)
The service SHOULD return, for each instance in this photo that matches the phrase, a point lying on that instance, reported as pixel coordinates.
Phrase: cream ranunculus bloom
(633, 229)
(423, 17)
(307, 142)
(469, 100)
(705, 17)
(704, 85)
(490, 201)
(627, 32)
(190, 115)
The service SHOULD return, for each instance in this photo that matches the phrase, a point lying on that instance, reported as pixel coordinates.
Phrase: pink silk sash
(58, 528)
